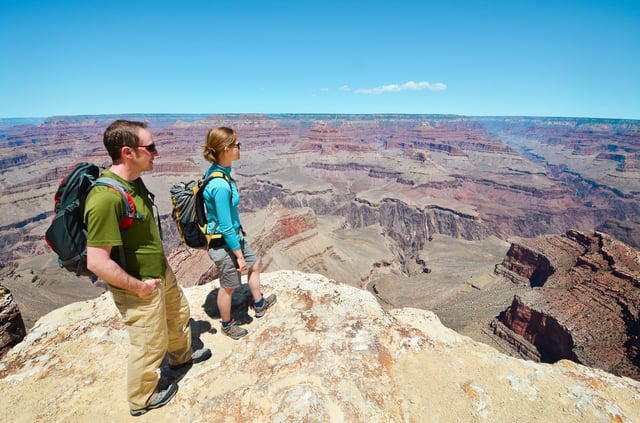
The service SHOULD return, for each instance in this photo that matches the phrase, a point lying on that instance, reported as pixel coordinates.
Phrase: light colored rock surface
(326, 352)
(12, 329)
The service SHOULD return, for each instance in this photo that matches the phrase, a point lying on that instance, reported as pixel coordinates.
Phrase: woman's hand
(242, 264)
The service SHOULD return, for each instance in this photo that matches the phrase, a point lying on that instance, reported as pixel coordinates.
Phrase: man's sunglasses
(151, 148)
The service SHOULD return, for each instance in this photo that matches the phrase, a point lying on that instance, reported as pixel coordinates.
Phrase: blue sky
(475, 58)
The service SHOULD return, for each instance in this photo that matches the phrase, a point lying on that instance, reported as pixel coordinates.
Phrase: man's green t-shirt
(144, 254)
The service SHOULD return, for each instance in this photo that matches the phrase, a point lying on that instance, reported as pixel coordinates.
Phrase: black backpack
(190, 215)
(67, 234)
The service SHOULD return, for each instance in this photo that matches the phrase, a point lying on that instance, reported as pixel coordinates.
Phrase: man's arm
(99, 262)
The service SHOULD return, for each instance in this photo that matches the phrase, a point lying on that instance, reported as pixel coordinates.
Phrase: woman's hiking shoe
(268, 302)
(163, 397)
(233, 330)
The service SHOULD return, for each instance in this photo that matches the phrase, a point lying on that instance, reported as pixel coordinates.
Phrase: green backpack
(67, 234)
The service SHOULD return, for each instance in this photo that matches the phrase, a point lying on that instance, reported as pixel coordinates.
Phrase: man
(144, 288)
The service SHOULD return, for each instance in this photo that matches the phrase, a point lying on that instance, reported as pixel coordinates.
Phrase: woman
(234, 256)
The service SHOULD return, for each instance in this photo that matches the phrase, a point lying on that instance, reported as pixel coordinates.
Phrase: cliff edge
(326, 352)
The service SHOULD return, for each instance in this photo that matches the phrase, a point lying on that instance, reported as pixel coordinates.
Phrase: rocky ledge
(325, 352)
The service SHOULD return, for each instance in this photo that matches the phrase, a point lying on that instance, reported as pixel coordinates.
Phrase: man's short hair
(120, 133)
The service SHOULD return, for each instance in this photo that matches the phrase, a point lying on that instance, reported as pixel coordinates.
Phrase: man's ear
(126, 151)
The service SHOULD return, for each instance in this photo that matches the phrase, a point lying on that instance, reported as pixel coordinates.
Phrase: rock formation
(293, 225)
(12, 329)
(326, 352)
(327, 140)
(585, 304)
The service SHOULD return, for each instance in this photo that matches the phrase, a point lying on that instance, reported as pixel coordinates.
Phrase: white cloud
(324, 89)
(408, 86)
(345, 88)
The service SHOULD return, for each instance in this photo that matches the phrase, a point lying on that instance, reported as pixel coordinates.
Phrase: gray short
(227, 265)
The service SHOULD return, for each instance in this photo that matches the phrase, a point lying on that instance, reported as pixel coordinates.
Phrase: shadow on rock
(170, 375)
(240, 302)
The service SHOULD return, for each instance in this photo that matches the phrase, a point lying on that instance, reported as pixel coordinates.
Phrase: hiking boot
(198, 356)
(163, 397)
(268, 302)
(234, 331)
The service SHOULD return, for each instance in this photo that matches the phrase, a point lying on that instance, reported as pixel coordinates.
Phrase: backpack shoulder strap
(129, 206)
(213, 175)
(152, 199)
(216, 174)
(203, 182)
(219, 174)
(129, 209)
(152, 196)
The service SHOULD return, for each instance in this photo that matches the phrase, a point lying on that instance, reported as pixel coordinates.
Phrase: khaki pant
(157, 324)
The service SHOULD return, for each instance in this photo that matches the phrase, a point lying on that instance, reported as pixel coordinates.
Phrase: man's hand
(100, 263)
(148, 287)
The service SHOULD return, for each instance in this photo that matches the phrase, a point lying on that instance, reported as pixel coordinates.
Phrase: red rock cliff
(584, 303)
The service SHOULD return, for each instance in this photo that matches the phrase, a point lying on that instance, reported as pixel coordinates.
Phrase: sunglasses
(236, 145)
(151, 148)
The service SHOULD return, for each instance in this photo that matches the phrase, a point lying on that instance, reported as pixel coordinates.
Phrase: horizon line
(452, 115)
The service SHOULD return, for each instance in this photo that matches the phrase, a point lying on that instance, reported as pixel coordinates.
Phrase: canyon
(463, 216)
(585, 305)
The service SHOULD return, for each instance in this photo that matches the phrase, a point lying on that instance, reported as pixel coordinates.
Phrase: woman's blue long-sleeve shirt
(219, 209)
